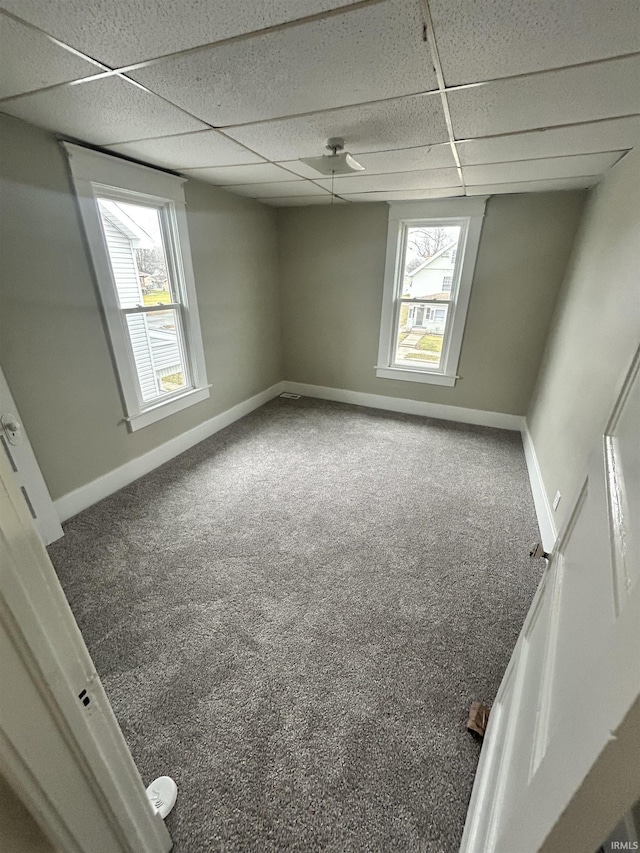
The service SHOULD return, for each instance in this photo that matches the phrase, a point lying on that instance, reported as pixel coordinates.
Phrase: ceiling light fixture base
(339, 162)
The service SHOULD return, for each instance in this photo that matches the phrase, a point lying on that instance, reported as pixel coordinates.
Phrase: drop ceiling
(435, 98)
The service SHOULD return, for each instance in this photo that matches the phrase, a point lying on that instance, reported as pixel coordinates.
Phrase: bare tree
(426, 242)
(414, 263)
(150, 261)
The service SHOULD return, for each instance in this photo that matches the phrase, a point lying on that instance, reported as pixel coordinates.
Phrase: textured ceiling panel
(302, 201)
(281, 84)
(613, 135)
(535, 186)
(101, 112)
(188, 151)
(399, 123)
(120, 32)
(499, 38)
(587, 93)
(540, 170)
(362, 183)
(371, 53)
(29, 60)
(278, 189)
(229, 175)
(407, 195)
(408, 159)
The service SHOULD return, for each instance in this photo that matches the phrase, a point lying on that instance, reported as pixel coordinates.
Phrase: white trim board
(85, 496)
(408, 407)
(544, 513)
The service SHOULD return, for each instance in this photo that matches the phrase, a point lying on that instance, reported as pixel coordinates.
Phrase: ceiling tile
(188, 151)
(277, 189)
(399, 123)
(372, 53)
(423, 179)
(536, 186)
(540, 170)
(408, 159)
(101, 112)
(587, 93)
(406, 195)
(612, 135)
(120, 33)
(302, 201)
(229, 175)
(499, 38)
(29, 60)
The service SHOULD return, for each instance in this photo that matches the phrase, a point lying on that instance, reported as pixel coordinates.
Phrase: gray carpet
(293, 617)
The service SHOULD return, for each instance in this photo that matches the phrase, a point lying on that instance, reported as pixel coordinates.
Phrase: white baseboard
(85, 496)
(546, 523)
(408, 407)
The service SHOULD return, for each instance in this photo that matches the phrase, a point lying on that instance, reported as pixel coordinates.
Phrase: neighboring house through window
(431, 254)
(135, 222)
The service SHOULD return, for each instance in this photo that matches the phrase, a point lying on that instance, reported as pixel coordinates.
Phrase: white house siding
(429, 280)
(164, 346)
(125, 273)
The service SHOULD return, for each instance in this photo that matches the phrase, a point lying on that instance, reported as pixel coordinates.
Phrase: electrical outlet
(556, 501)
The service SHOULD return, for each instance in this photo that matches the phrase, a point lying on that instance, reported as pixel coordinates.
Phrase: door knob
(12, 429)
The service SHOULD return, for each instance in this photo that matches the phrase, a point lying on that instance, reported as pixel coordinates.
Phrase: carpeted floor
(293, 617)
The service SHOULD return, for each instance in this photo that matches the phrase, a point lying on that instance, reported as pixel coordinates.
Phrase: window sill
(415, 376)
(163, 410)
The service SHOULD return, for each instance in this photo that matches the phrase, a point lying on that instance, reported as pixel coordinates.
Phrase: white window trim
(467, 212)
(93, 172)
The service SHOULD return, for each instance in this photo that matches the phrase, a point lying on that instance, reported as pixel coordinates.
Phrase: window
(431, 254)
(135, 222)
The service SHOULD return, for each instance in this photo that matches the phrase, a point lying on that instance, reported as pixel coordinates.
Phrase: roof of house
(140, 239)
(431, 259)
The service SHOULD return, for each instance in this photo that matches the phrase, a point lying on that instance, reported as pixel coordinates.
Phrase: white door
(560, 762)
(61, 748)
(26, 472)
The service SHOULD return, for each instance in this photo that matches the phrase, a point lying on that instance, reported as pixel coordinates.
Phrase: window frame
(465, 212)
(97, 175)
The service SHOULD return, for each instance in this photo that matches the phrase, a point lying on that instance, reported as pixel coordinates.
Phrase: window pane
(420, 334)
(136, 253)
(157, 351)
(429, 261)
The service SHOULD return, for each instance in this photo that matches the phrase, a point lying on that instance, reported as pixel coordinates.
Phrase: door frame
(83, 788)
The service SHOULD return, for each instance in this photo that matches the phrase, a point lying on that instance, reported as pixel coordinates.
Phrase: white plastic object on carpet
(162, 793)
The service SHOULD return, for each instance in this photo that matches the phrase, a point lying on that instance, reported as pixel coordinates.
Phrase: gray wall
(332, 270)
(53, 349)
(595, 333)
(19, 833)
(307, 279)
